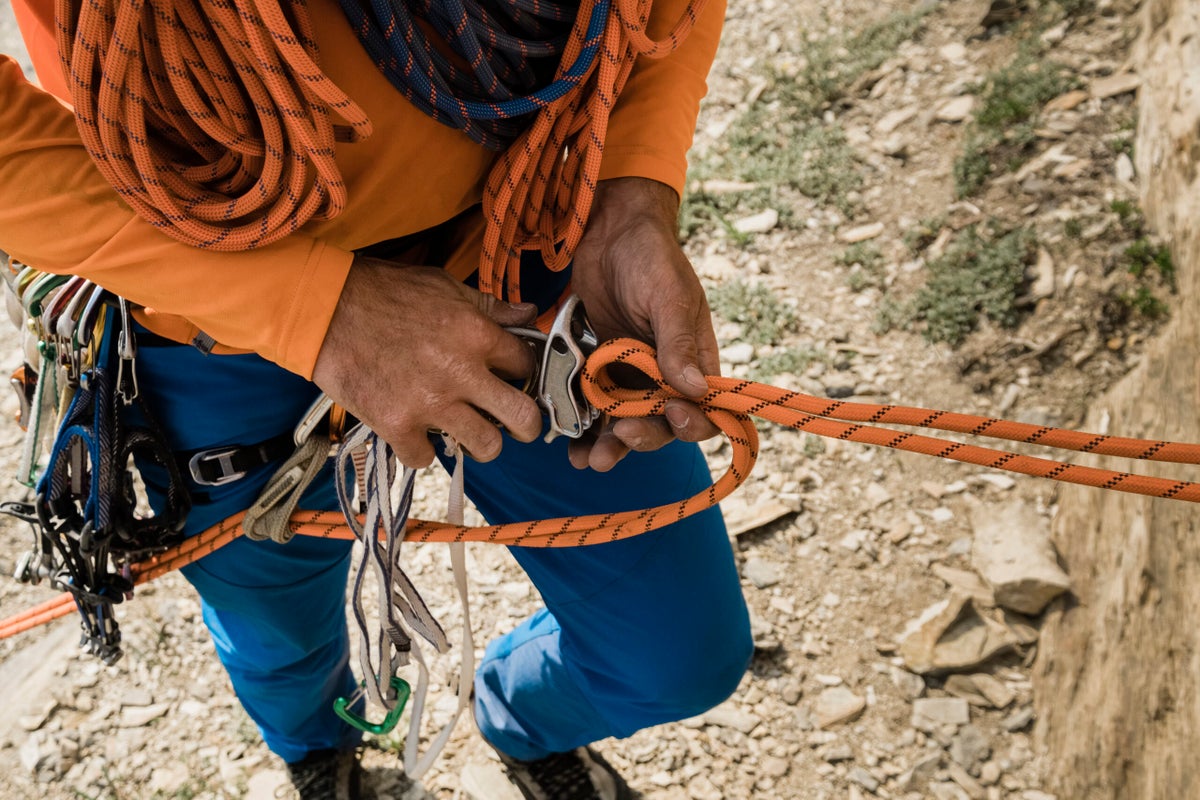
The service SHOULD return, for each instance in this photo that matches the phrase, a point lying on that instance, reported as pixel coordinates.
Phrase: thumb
(503, 313)
(678, 356)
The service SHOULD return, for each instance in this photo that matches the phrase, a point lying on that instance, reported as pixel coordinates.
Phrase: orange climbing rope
(731, 404)
(540, 193)
(212, 120)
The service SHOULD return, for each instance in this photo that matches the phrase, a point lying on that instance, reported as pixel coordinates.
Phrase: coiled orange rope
(211, 118)
(731, 404)
(540, 193)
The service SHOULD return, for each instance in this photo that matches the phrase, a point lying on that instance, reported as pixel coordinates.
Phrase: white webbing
(388, 648)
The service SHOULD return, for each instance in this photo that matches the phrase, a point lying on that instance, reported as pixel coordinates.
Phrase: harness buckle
(223, 458)
(555, 384)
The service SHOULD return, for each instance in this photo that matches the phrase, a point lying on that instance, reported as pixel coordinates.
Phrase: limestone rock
(838, 704)
(757, 223)
(953, 634)
(956, 110)
(1012, 551)
(929, 713)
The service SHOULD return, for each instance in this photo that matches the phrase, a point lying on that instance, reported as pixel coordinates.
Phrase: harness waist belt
(216, 466)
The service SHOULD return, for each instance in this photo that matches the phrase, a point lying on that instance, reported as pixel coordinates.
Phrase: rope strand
(731, 404)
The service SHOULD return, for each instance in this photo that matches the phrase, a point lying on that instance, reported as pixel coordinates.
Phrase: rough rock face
(1118, 679)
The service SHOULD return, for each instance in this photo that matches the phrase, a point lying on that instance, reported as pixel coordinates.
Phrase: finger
(579, 449)
(502, 313)
(475, 434)
(511, 356)
(644, 434)
(677, 337)
(689, 422)
(412, 448)
(606, 451)
(511, 407)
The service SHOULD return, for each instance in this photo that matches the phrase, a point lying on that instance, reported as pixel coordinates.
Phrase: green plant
(1143, 301)
(977, 276)
(1010, 100)
(1142, 255)
(923, 233)
(783, 140)
(763, 316)
(791, 361)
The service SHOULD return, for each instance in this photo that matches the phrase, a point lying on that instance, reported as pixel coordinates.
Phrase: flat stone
(1066, 102)
(738, 353)
(861, 233)
(996, 691)
(1043, 284)
(137, 696)
(966, 782)
(487, 781)
(864, 779)
(1018, 720)
(955, 51)
(989, 774)
(894, 119)
(836, 705)
(740, 519)
(1013, 552)
(957, 109)
(948, 791)
(930, 713)
(1113, 85)
(729, 716)
(137, 716)
(966, 582)
(757, 223)
(969, 747)
(953, 634)
(775, 767)
(763, 574)
(1123, 169)
(911, 686)
(836, 751)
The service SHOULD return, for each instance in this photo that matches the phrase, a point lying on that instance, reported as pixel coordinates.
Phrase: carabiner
(341, 707)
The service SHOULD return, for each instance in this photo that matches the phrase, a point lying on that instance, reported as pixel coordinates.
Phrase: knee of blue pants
(636, 632)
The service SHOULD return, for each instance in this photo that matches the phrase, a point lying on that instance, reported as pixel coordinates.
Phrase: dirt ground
(840, 545)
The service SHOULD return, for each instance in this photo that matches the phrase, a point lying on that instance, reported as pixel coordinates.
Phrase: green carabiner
(341, 707)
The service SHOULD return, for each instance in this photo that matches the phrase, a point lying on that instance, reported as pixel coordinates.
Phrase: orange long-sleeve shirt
(57, 213)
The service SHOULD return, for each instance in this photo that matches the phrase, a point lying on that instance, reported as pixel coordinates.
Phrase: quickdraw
(88, 528)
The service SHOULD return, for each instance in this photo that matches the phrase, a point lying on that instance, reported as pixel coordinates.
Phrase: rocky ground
(885, 665)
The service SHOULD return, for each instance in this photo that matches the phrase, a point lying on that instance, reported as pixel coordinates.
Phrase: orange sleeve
(58, 214)
(651, 128)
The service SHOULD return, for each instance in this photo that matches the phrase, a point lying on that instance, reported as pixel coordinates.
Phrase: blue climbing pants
(634, 633)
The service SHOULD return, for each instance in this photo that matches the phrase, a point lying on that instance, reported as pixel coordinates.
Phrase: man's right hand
(410, 350)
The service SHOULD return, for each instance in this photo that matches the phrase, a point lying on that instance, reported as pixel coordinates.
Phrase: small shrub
(977, 276)
(763, 316)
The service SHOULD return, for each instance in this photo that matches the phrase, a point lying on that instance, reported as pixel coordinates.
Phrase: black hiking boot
(327, 775)
(579, 774)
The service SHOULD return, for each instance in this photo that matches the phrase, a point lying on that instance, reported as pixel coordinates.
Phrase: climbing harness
(88, 527)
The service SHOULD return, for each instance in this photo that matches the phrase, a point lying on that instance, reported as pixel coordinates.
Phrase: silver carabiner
(555, 384)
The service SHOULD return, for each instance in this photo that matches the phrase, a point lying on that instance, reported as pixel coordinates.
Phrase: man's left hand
(634, 280)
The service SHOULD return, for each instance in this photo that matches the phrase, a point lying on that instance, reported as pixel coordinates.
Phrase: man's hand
(411, 350)
(635, 281)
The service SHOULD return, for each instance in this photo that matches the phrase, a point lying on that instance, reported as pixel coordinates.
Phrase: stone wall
(1118, 676)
